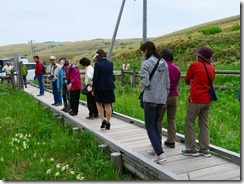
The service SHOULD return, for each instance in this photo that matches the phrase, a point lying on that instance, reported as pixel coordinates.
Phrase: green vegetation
(224, 119)
(35, 146)
(211, 30)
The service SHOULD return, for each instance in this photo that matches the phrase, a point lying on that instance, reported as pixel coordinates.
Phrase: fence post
(122, 77)
(116, 159)
(134, 78)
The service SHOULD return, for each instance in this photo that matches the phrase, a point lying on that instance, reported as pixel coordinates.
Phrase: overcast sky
(76, 20)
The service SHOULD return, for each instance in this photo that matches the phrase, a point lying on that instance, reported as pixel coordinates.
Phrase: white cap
(95, 55)
(52, 57)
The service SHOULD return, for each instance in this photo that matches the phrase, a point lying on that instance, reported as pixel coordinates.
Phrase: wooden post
(116, 159)
(122, 77)
(76, 129)
(134, 78)
(104, 148)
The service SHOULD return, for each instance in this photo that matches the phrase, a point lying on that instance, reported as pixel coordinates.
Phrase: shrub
(235, 27)
(211, 30)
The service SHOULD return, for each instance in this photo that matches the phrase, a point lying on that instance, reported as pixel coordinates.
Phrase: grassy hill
(222, 35)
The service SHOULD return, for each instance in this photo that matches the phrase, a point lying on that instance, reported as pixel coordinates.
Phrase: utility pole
(144, 34)
(116, 30)
(32, 46)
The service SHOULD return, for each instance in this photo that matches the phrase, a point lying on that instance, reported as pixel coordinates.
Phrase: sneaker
(103, 124)
(64, 109)
(108, 126)
(72, 113)
(96, 116)
(89, 117)
(151, 152)
(54, 104)
(190, 152)
(169, 144)
(58, 104)
(40, 95)
(160, 158)
(205, 153)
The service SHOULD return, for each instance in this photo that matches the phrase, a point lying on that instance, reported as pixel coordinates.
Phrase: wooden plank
(206, 172)
(194, 163)
(226, 175)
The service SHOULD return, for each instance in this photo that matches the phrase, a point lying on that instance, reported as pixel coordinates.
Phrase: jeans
(151, 116)
(40, 82)
(56, 93)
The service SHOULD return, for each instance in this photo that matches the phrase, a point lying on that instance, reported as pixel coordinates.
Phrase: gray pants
(193, 111)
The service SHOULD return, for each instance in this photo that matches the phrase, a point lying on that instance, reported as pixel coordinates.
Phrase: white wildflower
(34, 155)
(63, 168)
(58, 166)
(72, 172)
(48, 171)
(80, 177)
(52, 159)
(56, 174)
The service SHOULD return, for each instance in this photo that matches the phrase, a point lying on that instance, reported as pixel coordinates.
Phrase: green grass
(35, 146)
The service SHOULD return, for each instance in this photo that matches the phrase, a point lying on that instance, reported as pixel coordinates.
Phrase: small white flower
(56, 174)
(63, 168)
(72, 172)
(58, 166)
(48, 171)
(34, 155)
(52, 159)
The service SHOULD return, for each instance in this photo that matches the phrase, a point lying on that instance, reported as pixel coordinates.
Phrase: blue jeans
(56, 93)
(151, 116)
(40, 83)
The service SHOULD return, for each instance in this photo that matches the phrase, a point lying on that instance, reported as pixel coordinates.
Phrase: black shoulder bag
(211, 91)
(150, 77)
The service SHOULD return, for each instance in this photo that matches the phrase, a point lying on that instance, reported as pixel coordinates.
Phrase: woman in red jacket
(199, 103)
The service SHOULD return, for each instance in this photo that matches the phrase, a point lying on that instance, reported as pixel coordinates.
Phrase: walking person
(39, 75)
(53, 78)
(172, 100)
(91, 103)
(103, 87)
(198, 105)
(62, 83)
(24, 73)
(155, 95)
(74, 85)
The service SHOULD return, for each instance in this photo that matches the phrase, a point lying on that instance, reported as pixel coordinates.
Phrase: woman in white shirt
(91, 103)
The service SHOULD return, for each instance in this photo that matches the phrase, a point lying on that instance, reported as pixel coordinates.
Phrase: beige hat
(52, 57)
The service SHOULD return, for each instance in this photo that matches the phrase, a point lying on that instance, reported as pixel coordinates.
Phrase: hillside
(222, 35)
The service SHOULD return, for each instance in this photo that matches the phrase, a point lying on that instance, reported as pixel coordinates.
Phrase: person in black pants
(91, 103)
(73, 75)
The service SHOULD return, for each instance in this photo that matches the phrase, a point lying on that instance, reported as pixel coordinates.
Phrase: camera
(50, 77)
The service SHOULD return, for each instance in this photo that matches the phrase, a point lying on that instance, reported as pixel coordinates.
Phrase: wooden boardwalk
(132, 142)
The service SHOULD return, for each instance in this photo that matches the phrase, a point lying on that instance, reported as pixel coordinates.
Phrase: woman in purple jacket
(172, 100)
(74, 85)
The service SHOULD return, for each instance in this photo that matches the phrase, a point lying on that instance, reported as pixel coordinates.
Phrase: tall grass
(35, 146)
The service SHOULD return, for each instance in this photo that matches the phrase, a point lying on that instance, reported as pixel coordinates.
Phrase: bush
(211, 30)
(235, 27)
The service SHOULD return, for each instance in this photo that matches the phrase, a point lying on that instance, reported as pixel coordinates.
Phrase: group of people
(160, 77)
(161, 96)
(66, 84)
(9, 66)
